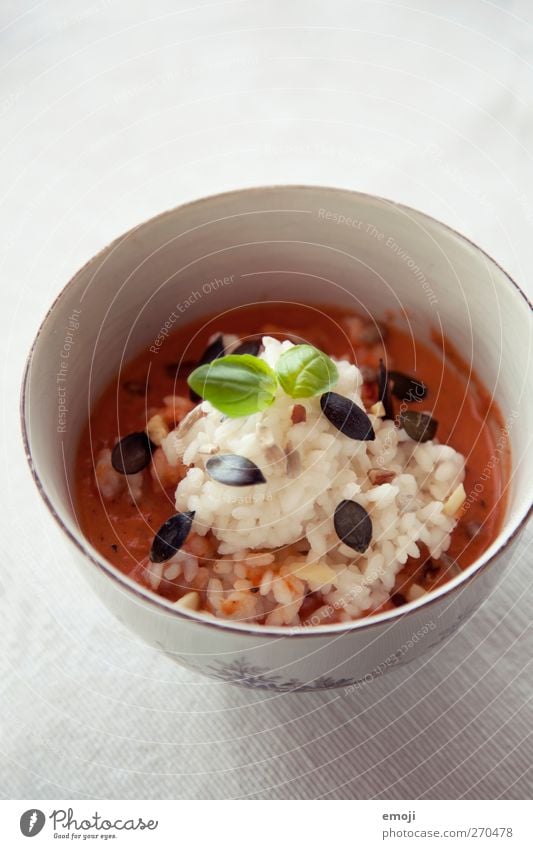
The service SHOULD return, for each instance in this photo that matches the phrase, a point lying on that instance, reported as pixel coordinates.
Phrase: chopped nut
(456, 500)
(189, 601)
(299, 414)
(271, 449)
(189, 420)
(302, 546)
(379, 476)
(208, 448)
(317, 573)
(157, 429)
(176, 408)
(415, 591)
(294, 462)
(273, 453)
(378, 409)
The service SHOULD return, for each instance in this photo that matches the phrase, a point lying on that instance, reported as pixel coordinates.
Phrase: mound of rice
(285, 528)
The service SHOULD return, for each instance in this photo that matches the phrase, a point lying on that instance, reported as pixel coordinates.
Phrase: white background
(112, 110)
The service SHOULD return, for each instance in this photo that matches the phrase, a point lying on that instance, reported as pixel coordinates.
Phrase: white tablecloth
(112, 110)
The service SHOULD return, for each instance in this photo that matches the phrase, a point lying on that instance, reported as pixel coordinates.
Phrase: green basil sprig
(304, 371)
(237, 385)
(241, 384)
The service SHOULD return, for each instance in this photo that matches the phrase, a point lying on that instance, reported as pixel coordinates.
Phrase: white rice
(405, 513)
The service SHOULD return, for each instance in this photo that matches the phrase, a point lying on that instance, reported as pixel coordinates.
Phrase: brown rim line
(501, 543)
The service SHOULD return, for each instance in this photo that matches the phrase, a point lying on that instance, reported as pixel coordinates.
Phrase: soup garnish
(234, 470)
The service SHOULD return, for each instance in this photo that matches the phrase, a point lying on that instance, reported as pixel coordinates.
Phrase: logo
(32, 822)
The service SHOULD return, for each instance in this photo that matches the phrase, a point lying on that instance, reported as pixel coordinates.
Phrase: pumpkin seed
(353, 525)
(132, 453)
(171, 536)
(234, 470)
(407, 388)
(179, 369)
(212, 352)
(398, 599)
(347, 417)
(250, 346)
(419, 426)
(384, 391)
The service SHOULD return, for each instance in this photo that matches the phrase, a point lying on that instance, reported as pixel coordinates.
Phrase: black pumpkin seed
(179, 369)
(353, 525)
(212, 352)
(419, 426)
(384, 391)
(171, 536)
(135, 387)
(132, 453)
(407, 388)
(250, 346)
(398, 599)
(347, 417)
(234, 470)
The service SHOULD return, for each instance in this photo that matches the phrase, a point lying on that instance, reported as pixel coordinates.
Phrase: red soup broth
(468, 418)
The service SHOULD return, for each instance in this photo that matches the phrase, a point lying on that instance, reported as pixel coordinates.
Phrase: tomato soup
(290, 582)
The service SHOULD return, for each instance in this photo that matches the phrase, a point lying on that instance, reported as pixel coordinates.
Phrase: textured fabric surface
(112, 111)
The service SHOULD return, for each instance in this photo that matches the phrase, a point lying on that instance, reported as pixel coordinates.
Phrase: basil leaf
(237, 385)
(304, 371)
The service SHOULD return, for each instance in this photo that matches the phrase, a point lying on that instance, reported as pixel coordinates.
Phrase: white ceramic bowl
(308, 244)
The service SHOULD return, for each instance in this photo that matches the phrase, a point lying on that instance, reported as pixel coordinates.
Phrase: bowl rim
(502, 542)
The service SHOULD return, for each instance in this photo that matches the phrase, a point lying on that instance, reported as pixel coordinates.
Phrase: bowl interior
(304, 244)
